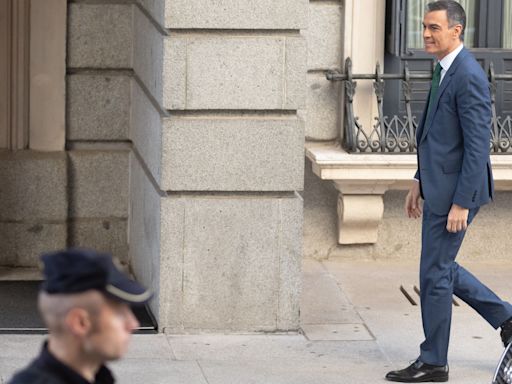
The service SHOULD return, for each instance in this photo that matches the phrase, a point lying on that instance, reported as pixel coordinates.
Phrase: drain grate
(413, 295)
(408, 296)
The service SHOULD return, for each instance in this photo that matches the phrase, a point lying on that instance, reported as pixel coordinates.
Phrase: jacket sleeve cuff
(463, 200)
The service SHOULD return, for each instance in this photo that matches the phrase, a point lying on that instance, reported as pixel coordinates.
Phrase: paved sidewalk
(357, 325)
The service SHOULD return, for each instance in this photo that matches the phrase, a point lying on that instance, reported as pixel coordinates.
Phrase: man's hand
(412, 201)
(457, 219)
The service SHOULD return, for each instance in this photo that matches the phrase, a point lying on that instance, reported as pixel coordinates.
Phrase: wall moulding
(362, 180)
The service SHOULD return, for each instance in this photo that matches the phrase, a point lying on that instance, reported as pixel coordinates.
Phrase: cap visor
(122, 288)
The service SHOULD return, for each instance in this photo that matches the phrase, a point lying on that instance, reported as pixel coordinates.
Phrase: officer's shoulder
(31, 375)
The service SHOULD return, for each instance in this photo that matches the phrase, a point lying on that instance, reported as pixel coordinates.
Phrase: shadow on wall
(320, 217)
(51, 200)
(33, 205)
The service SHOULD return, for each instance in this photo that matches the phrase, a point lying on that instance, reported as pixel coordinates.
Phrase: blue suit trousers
(440, 278)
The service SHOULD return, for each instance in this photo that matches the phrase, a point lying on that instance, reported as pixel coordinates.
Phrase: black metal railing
(398, 135)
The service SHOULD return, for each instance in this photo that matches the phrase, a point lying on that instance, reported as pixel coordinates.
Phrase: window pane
(507, 24)
(416, 10)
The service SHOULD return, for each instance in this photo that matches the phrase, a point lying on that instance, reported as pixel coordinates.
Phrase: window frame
(489, 34)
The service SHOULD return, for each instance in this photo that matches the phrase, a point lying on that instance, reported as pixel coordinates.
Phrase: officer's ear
(78, 321)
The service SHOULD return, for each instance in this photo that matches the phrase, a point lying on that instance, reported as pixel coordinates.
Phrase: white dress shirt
(448, 60)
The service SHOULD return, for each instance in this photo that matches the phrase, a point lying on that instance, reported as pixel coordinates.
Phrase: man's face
(439, 38)
(111, 331)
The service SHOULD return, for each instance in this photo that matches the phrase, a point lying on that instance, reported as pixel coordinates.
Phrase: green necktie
(436, 78)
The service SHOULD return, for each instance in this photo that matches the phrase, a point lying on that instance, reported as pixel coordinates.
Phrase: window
(415, 11)
(488, 36)
(489, 23)
(507, 24)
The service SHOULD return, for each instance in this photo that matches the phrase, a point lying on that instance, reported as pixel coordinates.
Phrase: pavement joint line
(376, 340)
(335, 323)
(202, 371)
(341, 291)
(171, 347)
(301, 331)
(370, 332)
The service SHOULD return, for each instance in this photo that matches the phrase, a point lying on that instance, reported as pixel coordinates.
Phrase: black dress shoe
(419, 372)
(506, 332)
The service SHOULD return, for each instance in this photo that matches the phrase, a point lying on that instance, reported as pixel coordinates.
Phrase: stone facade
(77, 197)
(215, 220)
(325, 37)
(186, 123)
(33, 205)
(98, 104)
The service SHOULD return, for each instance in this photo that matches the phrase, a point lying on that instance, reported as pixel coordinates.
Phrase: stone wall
(324, 39)
(33, 206)
(77, 197)
(215, 219)
(98, 103)
(322, 116)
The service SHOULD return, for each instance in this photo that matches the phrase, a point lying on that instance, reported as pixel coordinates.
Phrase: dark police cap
(78, 270)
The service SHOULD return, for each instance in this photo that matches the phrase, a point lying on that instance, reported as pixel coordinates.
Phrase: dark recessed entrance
(19, 314)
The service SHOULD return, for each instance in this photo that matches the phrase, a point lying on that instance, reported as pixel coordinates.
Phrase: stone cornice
(331, 162)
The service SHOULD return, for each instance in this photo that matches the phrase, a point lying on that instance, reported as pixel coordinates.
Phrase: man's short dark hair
(454, 12)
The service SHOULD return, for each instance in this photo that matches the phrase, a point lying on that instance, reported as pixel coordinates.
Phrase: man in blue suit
(454, 178)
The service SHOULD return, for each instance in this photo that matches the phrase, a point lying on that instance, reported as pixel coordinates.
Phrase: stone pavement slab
(322, 300)
(251, 348)
(20, 346)
(373, 287)
(150, 346)
(287, 372)
(281, 359)
(157, 371)
(336, 332)
(9, 366)
(338, 295)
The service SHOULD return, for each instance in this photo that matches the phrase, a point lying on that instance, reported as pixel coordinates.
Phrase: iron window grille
(395, 134)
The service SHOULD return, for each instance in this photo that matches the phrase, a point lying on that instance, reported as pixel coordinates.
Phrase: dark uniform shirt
(46, 369)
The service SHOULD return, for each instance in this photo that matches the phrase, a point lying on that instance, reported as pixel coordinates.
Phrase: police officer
(85, 303)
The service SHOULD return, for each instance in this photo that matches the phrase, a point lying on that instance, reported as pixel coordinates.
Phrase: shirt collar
(49, 363)
(448, 60)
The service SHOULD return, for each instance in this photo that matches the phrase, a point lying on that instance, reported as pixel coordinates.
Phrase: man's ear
(457, 30)
(78, 321)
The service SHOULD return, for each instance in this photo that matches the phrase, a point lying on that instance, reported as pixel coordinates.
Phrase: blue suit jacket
(453, 140)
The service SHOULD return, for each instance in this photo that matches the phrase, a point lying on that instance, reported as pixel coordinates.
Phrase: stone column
(216, 222)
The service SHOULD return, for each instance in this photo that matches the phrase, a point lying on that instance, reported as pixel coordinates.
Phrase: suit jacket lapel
(444, 84)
